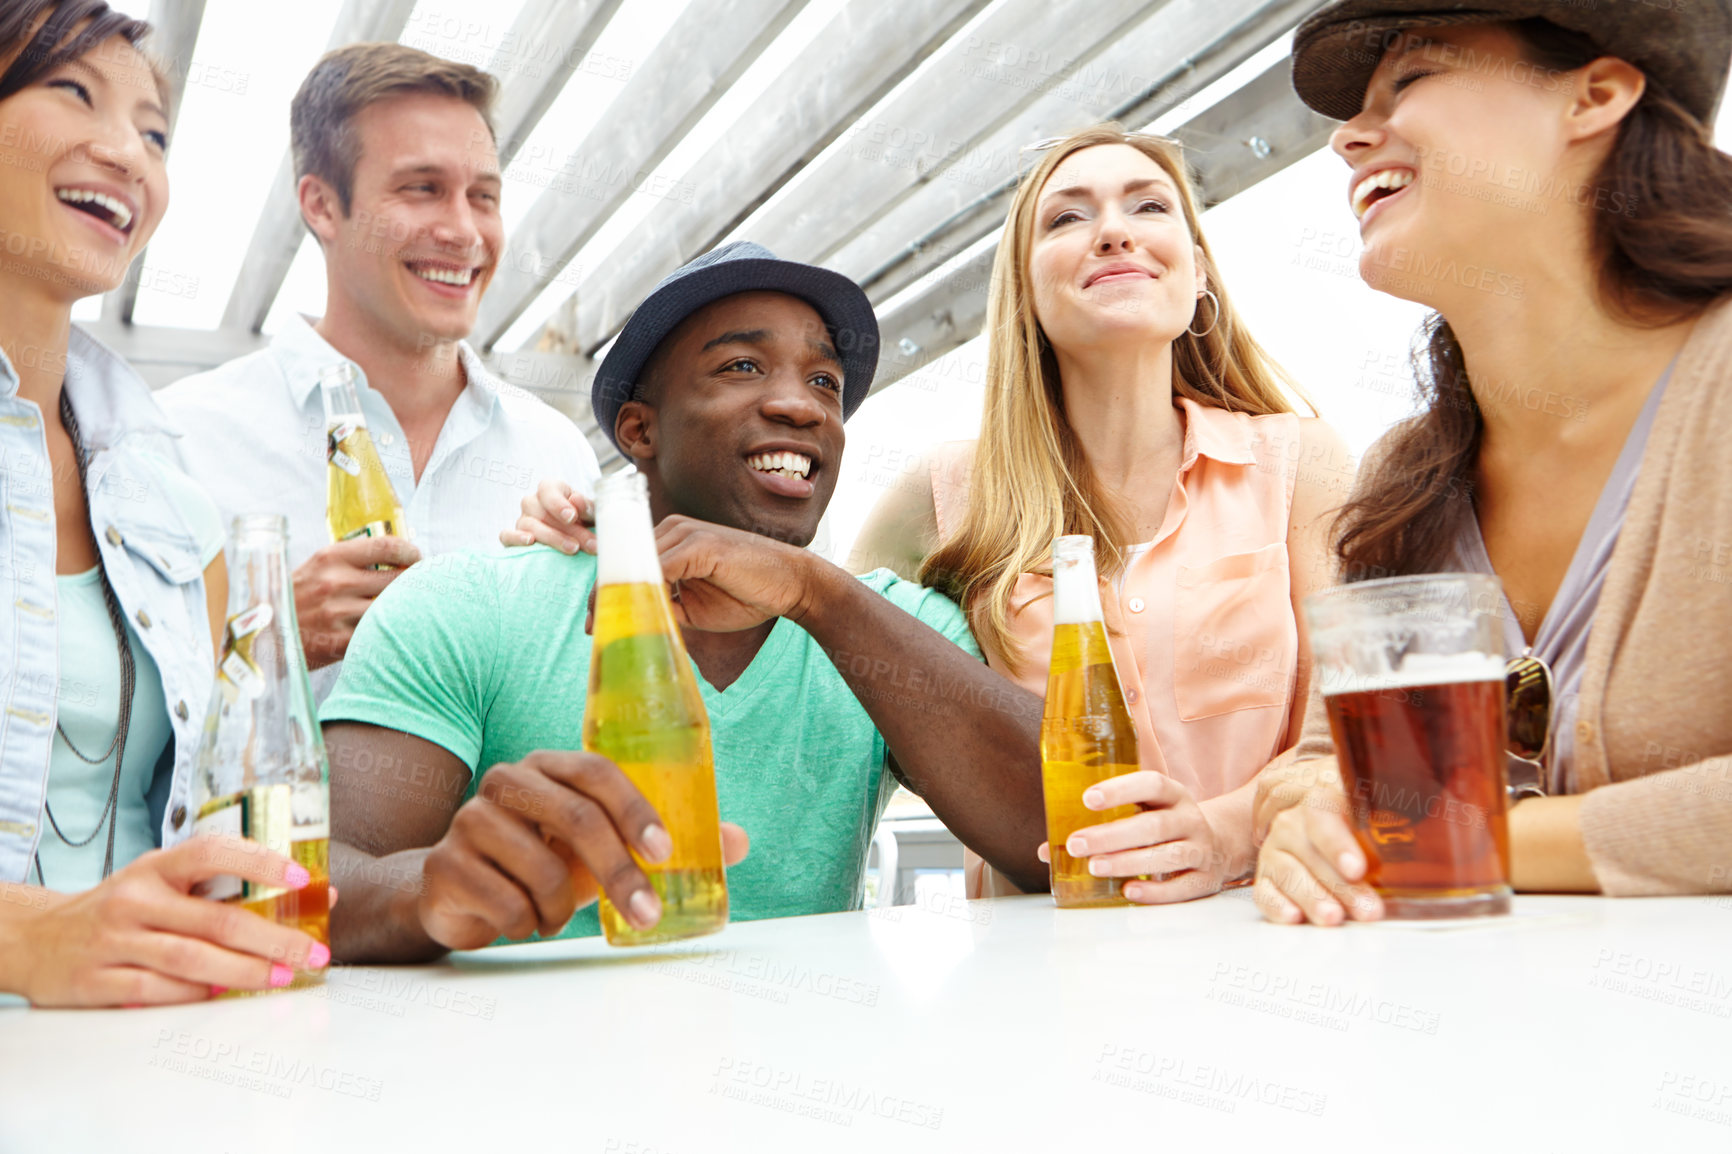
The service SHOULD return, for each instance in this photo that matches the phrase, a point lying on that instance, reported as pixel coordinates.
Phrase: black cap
(734, 268)
(1684, 46)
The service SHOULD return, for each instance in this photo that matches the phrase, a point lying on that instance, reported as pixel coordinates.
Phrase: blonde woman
(1126, 400)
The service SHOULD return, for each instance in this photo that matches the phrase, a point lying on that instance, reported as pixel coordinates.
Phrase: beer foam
(625, 537)
(1417, 669)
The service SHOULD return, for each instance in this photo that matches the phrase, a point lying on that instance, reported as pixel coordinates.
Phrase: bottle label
(264, 814)
(334, 448)
(238, 675)
(370, 529)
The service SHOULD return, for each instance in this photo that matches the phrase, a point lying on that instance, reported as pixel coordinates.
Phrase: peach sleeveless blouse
(1201, 624)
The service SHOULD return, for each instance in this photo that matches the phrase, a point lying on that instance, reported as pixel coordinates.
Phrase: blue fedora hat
(739, 268)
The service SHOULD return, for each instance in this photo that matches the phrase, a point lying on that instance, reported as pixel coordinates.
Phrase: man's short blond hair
(322, 134)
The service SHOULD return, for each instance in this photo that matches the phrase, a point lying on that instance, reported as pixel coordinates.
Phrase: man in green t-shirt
(461, 809)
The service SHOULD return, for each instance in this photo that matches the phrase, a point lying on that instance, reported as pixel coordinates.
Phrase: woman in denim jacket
(111, 562)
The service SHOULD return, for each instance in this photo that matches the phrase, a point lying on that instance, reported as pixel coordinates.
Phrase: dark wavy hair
(71, 30)
(1664, 261)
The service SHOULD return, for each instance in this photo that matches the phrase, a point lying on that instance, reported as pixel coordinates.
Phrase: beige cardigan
(1654, 726)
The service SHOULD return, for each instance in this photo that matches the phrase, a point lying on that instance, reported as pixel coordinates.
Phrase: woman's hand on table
(142, 937)
(1311, 867)
(1171, 840)
(541, 839)
(554, 515)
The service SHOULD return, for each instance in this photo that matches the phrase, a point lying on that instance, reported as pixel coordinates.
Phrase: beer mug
(1412, 669)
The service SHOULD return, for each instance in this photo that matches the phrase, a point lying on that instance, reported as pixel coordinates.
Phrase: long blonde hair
(1030, 481)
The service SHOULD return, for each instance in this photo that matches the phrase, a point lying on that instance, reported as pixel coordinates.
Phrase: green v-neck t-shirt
(485, 655)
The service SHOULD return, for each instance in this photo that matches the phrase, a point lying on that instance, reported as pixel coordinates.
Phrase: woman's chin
(1109, 327)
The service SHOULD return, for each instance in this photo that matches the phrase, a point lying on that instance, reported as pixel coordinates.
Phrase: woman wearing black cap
(1549, 186)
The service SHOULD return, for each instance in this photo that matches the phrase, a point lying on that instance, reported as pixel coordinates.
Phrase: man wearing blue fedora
(728, 389)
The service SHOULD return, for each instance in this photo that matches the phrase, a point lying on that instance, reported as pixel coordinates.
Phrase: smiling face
(1461, 160)
(741, 421)
(1112, 257)
(423, 234)
(83, 179)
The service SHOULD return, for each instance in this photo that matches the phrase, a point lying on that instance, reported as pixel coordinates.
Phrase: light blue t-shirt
(486, 656)
(88, 711)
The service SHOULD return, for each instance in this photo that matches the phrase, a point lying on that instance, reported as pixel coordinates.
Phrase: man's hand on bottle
(541, 839)
(337, 584)
(141, 937)
(557, 516)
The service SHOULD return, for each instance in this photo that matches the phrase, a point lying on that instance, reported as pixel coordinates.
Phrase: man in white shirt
(398, 178)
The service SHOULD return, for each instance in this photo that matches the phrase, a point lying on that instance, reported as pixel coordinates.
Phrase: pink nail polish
(281, 975)
(645, 909)
(218, 991)
(296, 876)
(319, 956)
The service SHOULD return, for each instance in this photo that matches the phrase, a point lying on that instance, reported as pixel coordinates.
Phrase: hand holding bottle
(1171, 836)
(142, 938)
(540, 840)
(337, 585)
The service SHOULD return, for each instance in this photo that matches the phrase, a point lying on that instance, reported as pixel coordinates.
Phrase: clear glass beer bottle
(646, 715)
(1086, 734)
(360, 501)
(260, 771)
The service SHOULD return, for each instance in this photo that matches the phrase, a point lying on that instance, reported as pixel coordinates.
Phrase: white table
(1576, 1024)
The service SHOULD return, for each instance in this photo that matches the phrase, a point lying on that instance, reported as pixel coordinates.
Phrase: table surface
(1574, 1023)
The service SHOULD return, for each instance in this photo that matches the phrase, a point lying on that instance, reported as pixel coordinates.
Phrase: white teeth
(787, 464)
(458, 277)
(120, 216)
(1394, 179)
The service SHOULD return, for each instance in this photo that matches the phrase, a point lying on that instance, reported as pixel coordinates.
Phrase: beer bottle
(646, 715)
(1086, 735)
(260, 770)
(360, 501)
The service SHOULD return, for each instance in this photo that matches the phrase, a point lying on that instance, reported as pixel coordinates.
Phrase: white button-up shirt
(254, 437)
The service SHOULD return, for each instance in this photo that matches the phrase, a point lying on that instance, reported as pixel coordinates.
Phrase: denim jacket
(151, 555)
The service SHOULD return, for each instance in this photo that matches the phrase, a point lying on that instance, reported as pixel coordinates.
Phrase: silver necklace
(128, 674)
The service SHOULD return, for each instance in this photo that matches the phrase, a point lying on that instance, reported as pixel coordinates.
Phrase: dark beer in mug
(1412, 670)
(1423, 769)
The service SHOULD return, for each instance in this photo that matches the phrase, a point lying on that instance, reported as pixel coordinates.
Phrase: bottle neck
(625, 539)
(258, 574)
(1076, 594)
(342, 401)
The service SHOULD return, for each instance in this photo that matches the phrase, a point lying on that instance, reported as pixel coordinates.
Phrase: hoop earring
(1210, 293)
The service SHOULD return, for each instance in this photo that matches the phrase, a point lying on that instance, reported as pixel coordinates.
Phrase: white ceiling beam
(1252, 134)
(174, 34)
(710, 44)
(850, 65)
(277, 236)
(1020, 51)
(1179, 49)
(548, 42)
